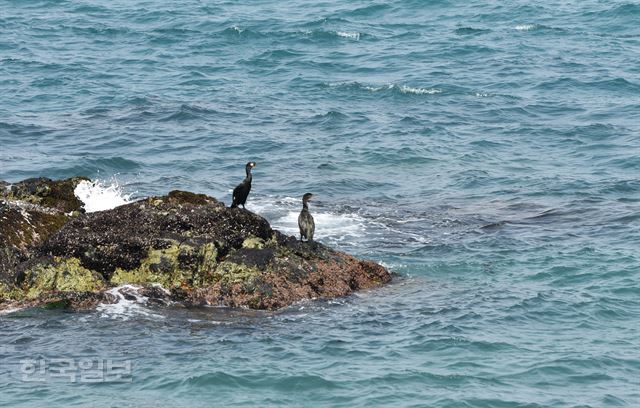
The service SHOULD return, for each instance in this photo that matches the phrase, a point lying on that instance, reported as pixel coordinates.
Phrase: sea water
(488, 153)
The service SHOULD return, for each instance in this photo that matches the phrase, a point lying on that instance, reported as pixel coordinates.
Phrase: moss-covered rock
(9, 292)
(176, 265)
(184, 247)
(231, 272)
(253, 242)
(61, 275)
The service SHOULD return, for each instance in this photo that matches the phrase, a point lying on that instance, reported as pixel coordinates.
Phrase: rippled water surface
(487, 152)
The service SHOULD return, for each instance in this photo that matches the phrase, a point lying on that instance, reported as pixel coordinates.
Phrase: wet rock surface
(182, 247)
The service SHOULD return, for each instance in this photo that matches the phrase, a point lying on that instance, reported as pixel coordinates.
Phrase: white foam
(419, 91)
(124, 308)
(99, 196)
(389, 87)
(403, 89)
(525, 27)
(347, 34)
(10, 310)
(376, 88)
(332, 226)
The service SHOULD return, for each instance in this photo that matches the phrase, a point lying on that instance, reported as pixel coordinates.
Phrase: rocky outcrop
(30, 211)
(192, 247)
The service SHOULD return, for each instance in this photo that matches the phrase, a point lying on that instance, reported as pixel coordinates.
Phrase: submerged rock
(199, 251)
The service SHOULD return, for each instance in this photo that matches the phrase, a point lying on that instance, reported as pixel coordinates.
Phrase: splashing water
(130, 304)
(98, 196)
(331, 226)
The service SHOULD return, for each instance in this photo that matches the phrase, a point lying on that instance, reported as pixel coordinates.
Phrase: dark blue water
(488, 153)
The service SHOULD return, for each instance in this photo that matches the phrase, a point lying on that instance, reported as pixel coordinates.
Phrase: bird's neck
(249, 177)
(305, 206)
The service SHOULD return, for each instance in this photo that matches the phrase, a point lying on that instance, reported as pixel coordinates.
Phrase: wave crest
(392, 88)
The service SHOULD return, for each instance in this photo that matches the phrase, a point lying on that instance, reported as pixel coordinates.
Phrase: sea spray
(100, 196)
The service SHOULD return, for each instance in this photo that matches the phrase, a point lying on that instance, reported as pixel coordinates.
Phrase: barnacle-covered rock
(191, 245)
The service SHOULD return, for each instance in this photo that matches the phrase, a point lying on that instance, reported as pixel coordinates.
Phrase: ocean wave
(333, 35)
(237, 32)
(618, 84)
(391, 88)
(188, 112)
(99, 31)
(348, 34)
(329, 119)
(628, 10)
(536, 27)
(418, 91)
(317, 34)
(367, 11)
(471, 31)
(177, 31)
(278, 382)
(280, 54)
(90, 9)
(526, 27)
(23, 130)
(325, 21)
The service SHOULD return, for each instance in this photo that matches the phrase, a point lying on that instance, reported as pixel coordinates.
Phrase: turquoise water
(487, 152)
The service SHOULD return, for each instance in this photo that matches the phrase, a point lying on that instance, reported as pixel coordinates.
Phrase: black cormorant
(305, 220)
(241, 192)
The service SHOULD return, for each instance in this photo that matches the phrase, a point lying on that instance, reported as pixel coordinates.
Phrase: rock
(53, 194)
(182, 247)
(30, 211)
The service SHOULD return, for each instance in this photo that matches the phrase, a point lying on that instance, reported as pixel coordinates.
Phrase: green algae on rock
(60, 275)
(173, 266)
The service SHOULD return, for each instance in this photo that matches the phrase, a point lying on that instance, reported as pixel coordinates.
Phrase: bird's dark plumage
(241, 192)
(305, 220)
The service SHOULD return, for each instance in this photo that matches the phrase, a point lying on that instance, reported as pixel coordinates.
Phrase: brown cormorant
(241, 192)
(305, 220)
